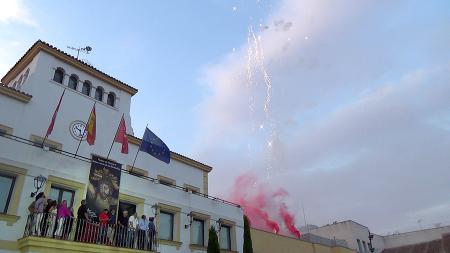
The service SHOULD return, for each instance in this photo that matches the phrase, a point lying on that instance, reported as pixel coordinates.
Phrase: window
(25, 76)
(20, 81)
(166, 181)
(59, 75)
(111, 99)
(14, 84)
(359, 246)
(198, 232)
(86, 88)
(99, 93)
(52, 145)
(193, 189)
(73, 82)
(365, 246)
(6, 189)
(166, 226)
(60, 194)
(124, 206)
(225, 237)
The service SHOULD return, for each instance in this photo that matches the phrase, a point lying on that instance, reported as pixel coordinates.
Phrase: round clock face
(77, 130)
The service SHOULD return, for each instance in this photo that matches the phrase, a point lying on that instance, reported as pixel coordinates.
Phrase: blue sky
(358, 116)
(159, 47)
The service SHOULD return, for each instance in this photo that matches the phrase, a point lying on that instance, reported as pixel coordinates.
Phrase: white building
(357, 236)
(29, 94)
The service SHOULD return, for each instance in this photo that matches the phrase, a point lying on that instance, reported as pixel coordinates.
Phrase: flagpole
(114, 139)
(139, 149)
(84, 132)
(53, 118)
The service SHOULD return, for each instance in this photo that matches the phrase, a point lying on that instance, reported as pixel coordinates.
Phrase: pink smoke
(288, 220)
(260, 203)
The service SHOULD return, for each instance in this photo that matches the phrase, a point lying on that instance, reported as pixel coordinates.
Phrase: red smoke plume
(260, 204)
(288, 220)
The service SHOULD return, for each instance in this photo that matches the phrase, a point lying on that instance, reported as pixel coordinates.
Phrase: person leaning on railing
(103, 218)
(142, 232)
(39, 206)
(111, 226)
(132, 226)
(63, 217)
(82, 218)
(151, 232)
(121, 231)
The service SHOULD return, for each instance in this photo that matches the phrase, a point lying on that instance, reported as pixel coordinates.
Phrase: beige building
(266, 242)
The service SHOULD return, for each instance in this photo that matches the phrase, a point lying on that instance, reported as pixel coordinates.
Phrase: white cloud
(15, 11)
(351, 108)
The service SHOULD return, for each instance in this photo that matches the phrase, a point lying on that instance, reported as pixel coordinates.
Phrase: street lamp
(370, 242)
(39, 181)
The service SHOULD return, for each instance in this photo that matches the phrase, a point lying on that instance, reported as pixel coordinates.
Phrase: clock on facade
(77, 130)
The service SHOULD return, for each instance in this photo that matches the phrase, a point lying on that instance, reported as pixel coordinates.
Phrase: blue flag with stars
(154, 146)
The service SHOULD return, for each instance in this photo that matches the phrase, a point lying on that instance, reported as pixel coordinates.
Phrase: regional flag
(91, 127)
(121, 136)
(154, 146)
(52, 123)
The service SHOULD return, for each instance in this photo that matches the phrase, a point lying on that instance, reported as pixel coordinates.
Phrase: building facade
(357, 236)
(266, 242)
(176, 194)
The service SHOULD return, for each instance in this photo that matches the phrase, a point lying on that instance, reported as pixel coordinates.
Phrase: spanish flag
(91, 127)
(121, 136)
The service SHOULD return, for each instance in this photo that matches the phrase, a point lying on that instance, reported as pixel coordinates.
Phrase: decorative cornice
(63, 56)
(180, 158)
(13, 93)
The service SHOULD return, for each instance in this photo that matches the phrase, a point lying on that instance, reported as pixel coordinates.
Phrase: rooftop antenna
(86, 50)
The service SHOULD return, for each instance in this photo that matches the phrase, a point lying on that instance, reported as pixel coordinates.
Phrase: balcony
(47, 233)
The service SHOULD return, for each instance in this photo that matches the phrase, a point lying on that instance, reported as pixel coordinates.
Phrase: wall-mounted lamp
(191, 219)
(155, 207)
(219, 223)
(371, 248)
(39, 182)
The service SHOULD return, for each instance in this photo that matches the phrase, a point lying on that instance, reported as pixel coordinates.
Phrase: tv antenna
(86, 50)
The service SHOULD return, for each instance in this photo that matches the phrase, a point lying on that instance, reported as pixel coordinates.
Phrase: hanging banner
(103, 187)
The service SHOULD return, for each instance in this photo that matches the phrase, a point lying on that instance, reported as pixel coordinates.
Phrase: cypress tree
(248, 247)
(213, 241)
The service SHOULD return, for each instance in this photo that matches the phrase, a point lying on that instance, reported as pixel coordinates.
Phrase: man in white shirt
(132, 226)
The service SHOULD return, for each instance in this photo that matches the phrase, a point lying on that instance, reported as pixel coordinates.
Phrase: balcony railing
(80, 230)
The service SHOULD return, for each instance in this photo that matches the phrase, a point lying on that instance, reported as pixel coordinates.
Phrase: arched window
(99, 93)
(111, 99)
(25, 76)
(59, 75)
(73, 82)
(20, 81)
(86, 88)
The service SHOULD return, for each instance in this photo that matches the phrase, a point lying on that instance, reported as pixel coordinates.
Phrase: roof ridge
(39, 41)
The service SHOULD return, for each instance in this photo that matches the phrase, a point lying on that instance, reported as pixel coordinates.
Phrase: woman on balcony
(39, 206)
(50, 220)
(63, 215)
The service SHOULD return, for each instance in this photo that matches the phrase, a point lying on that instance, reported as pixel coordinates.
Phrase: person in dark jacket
(122, 229)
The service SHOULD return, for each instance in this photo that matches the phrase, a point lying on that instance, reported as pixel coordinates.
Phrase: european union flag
(154, 146)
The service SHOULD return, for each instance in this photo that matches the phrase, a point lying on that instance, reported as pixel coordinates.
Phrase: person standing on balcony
(132, 227)
(39, 206)
(69, 225)
(111, 226)
(151, 232)
(142, 232)
(121, 232)
(82, 219)
(103, 218)
(50, 219)
(62, 215)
